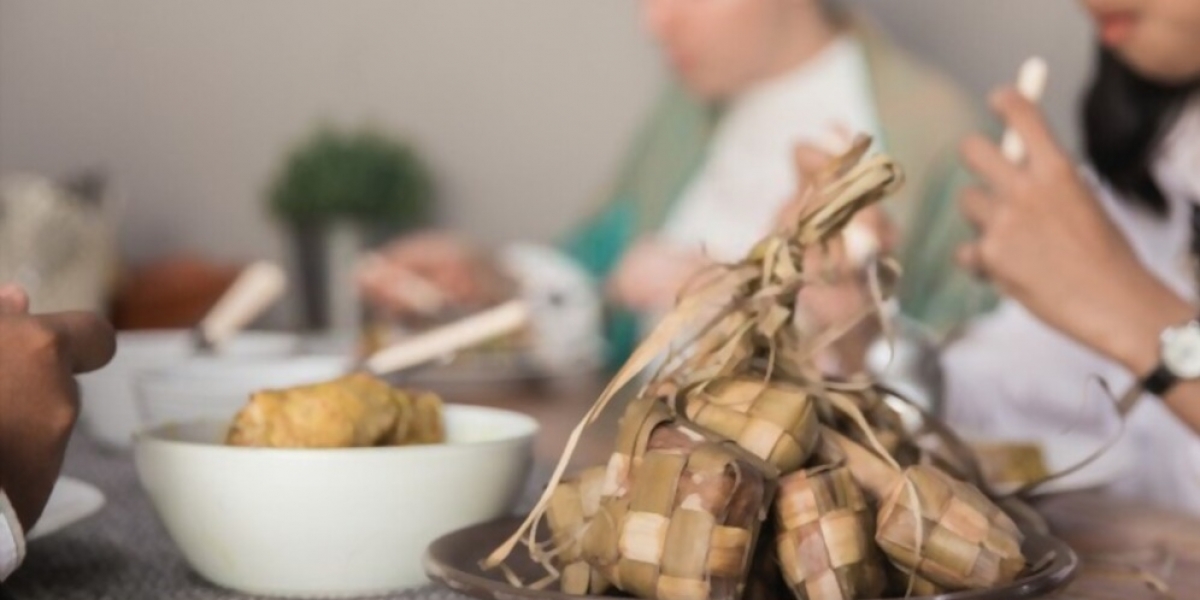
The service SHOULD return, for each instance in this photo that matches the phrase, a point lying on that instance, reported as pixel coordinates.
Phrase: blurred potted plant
(339, 191)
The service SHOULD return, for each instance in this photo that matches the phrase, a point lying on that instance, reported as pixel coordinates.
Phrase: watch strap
(1159, 381)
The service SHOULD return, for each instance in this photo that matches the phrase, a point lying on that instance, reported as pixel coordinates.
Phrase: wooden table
(1119, 541)
(124, 553)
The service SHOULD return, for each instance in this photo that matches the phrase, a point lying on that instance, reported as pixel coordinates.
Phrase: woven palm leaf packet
(825, 537)
(967, 541)
(681, 511)
(741, 470)
(775, 421)
(932, 525)
(574, 503)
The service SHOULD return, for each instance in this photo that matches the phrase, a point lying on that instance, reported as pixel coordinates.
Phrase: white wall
(522, 106)
(983, 42)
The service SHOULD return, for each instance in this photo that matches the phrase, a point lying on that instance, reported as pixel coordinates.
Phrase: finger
(984, 159)
(374, 283)
(13, 300)
(977, 206)
(810, 159)
(970, 259)
(378, 296)
(87, 341)
(1027, 121)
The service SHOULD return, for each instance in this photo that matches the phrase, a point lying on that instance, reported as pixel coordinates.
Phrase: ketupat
(967, 542)
(886, 425)
(872, 473)
(680, 513)
(902, 585)
(571, 509)
(825, 545)
(775, 421)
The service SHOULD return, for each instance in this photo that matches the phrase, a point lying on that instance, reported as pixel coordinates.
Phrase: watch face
(1181, 351)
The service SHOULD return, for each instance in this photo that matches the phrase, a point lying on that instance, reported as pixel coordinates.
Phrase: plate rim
(38, 531)
(471, 584)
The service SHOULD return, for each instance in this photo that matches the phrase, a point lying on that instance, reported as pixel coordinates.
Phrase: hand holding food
(651, 275)
(1046, 241)
(420, 275)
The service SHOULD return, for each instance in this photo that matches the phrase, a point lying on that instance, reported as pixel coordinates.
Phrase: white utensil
(1031, 83)
(443, 341)
(256, 289)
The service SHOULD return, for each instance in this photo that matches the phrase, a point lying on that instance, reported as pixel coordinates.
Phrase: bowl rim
(527, 429)
(199, 370)
(176, 333)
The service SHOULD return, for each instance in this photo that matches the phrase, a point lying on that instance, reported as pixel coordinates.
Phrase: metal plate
(453, 561)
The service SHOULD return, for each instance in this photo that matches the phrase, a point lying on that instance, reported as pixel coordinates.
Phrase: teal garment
(665, 156)
(922, 117)
(597, 247)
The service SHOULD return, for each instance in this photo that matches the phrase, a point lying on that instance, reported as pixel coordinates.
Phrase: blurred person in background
(1100, 266)
(758, 86)
(39, 402)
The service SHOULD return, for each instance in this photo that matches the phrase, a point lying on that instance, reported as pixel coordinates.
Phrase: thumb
(13, 300)
(810, 159)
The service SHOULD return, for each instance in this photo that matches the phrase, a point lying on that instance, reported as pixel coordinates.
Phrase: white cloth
(749, 173)
(564, 304)
(12, 538)
(1011, 376)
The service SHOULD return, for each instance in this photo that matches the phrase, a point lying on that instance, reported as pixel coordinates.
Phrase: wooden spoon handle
(448, 339)
(258, 287)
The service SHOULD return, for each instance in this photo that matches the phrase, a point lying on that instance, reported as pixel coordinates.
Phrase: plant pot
(326, 256)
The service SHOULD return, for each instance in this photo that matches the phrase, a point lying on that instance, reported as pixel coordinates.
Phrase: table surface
(123, 553)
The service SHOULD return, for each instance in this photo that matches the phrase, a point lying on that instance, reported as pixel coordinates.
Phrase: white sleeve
(566, 304)
(12, 538)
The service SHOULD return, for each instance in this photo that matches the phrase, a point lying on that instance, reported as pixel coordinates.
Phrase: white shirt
(1014, 377)
(12, 539)
(749, 173)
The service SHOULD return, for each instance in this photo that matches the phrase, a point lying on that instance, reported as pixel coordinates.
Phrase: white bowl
(108, 410)
(344, 522)
(216, 388)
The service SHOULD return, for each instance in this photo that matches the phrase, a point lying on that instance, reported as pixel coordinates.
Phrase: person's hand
(1045, 240)
(652, 274)
(39, 400)
(424, 273)
(843, 291)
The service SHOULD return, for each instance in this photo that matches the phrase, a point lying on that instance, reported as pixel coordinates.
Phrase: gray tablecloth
(123, 552)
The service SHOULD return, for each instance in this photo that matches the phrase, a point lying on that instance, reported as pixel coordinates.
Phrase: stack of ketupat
(740, 461)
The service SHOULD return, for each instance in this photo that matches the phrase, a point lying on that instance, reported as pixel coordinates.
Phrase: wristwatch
(1179, 358)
